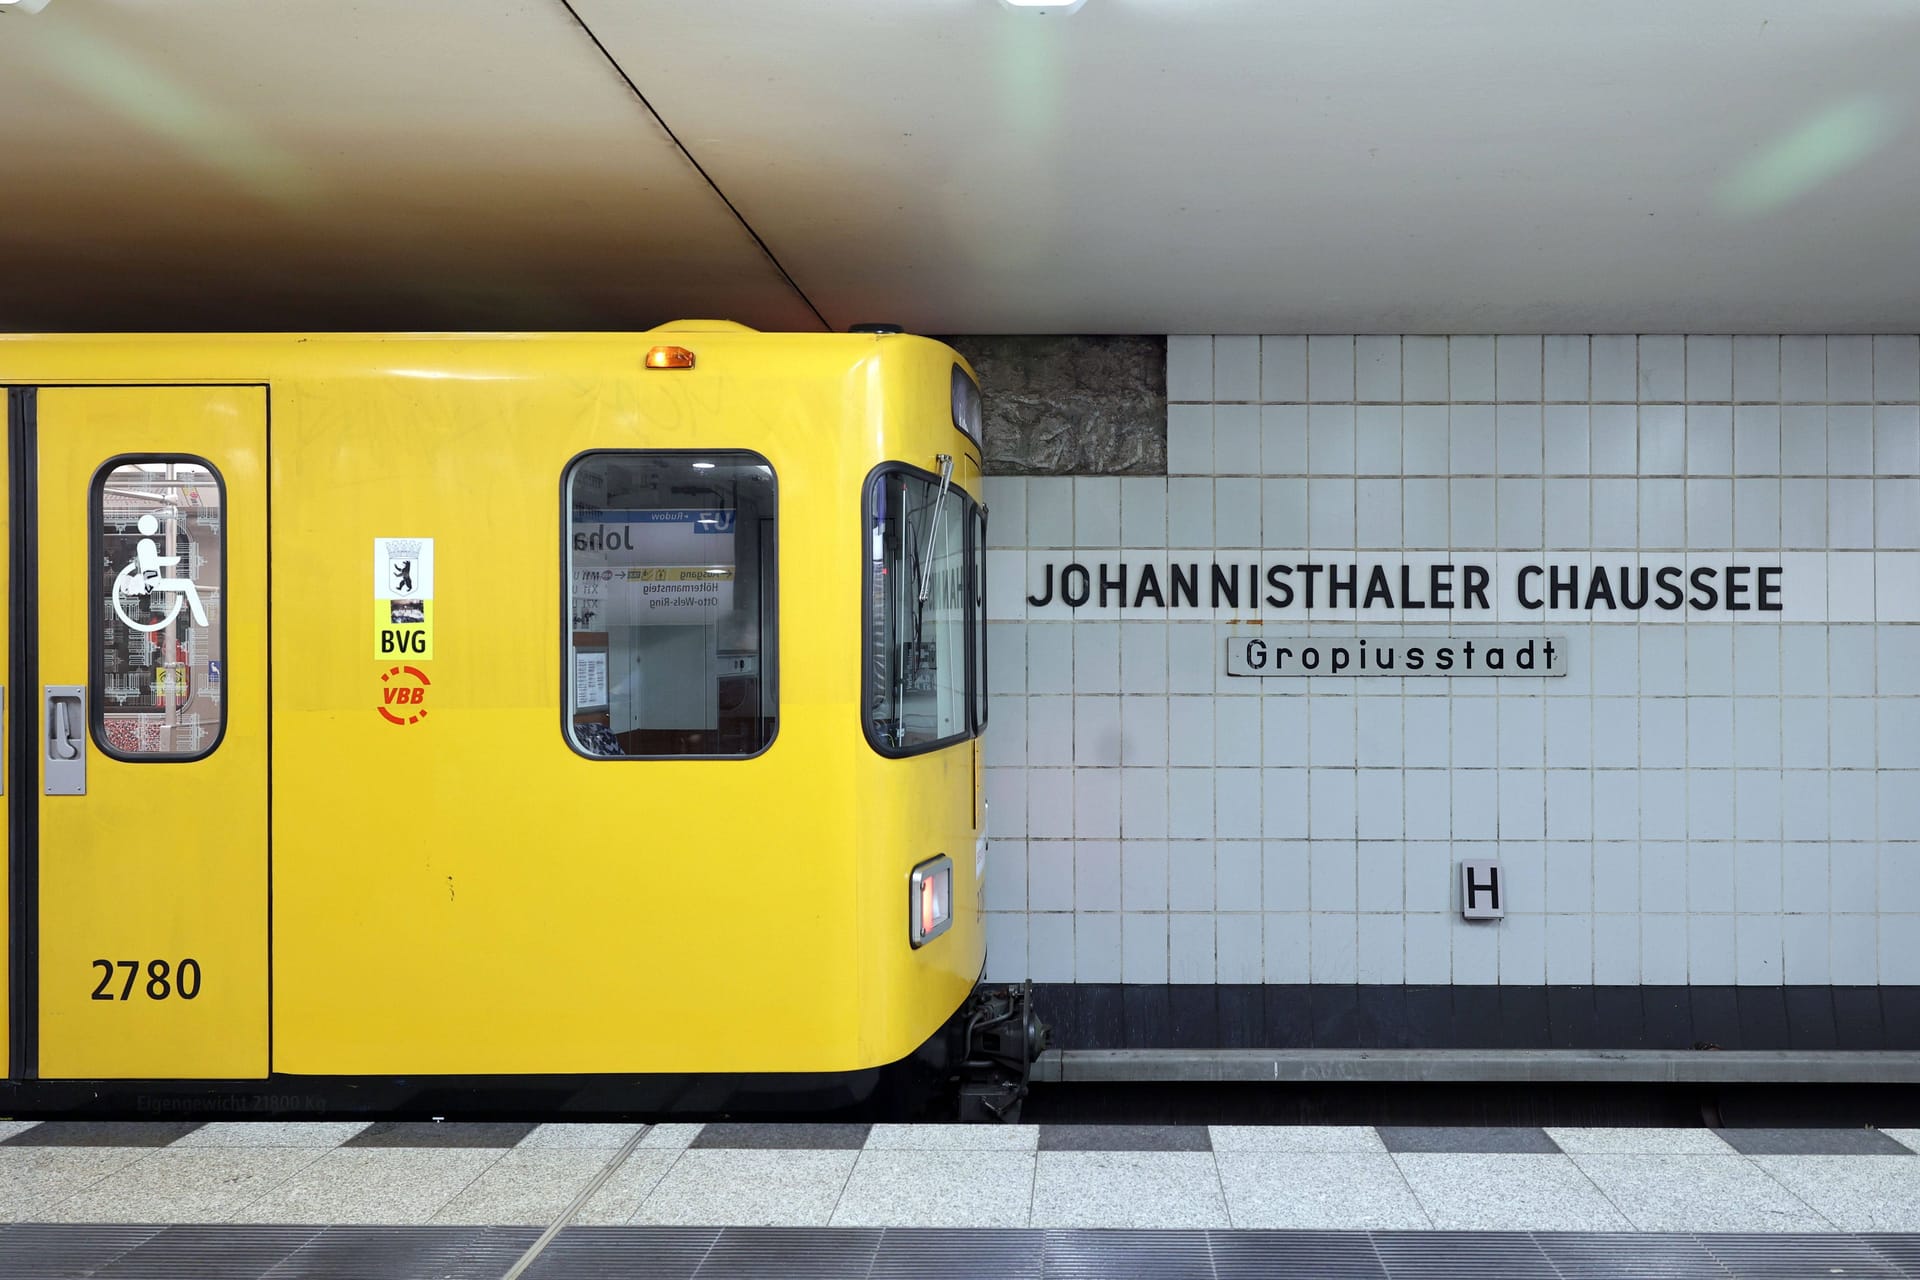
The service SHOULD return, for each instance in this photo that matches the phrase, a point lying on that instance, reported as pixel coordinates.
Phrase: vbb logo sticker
(403, 701)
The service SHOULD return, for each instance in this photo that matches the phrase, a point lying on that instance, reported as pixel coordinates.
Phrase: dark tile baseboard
(1229, 1016)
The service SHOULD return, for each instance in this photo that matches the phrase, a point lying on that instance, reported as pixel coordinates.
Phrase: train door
(13, 402)
(149, 951)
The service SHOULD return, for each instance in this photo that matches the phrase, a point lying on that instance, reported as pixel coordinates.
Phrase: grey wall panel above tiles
(1073, 405)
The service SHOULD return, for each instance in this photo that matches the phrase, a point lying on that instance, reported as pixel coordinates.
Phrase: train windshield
(924, 610)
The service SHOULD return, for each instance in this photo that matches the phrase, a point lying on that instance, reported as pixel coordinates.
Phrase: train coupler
(1004, 1036)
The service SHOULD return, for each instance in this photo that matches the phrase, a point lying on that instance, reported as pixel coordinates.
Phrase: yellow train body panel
(466, 893)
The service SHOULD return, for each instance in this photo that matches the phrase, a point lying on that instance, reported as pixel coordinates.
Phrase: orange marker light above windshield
(669, 358)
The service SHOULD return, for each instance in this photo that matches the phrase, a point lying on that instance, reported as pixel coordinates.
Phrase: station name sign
(1730, 587)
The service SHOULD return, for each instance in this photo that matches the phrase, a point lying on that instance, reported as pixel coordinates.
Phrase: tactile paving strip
(190, 1252)
(1333, 1255)
(403, 1253)
(1463, 1255)
(624, 1253)
(40, 1252)
(32, 1251)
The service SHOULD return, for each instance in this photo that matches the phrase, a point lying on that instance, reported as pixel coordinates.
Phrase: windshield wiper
(933, 531)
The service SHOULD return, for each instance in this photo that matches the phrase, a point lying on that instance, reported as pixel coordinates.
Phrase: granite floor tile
(1128, 1189)
(579, 1137)
(1318, 1192)
(782, 1137)
(670, 1137)
(1638, 1142)
(1508, 1193)
(361, 1185)
(1124, 1137)
(1298, 1139)
(1698, 1193)
(34, 1179)
(1464, 1140)
(622, 1194)
(938, 1189)
(749, 1188)
(1854, 1193)
(198, 1185)
(953, 1137)
(439, 1134)
(1814, 1142)
(10, 1127)
(1909, 1138)
(272, 1133)
(102, 1133)
(524, 1188)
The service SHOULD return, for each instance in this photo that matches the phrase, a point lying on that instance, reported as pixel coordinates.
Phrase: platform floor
(560, 1200)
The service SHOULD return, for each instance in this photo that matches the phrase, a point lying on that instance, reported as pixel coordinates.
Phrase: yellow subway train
(580, 722)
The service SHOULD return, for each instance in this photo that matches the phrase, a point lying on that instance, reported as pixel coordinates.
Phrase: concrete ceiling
(1141, 166)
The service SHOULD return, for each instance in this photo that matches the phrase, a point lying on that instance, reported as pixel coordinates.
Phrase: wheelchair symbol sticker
(146, 575)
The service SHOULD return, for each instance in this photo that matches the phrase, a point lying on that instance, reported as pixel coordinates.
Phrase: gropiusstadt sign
(1394, 656)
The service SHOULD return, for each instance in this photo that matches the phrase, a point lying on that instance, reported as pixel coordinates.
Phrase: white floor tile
(1319, 1192)
(1296, 1138)
(579, 1137)
(1634, 1142)
(671, 1137)
(270, 1133)
(1855, 1193)
(1698, 1193)
(732, 1188)
(525, 1188)
(1508, 1193)
(385, 1185)
(34, 1179)
(208, 1184)
(938, 1189)
(1128, 1189)
(622, 1194)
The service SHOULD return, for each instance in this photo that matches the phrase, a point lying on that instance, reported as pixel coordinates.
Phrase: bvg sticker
(403, 598)
(403, 695)
(403, 629)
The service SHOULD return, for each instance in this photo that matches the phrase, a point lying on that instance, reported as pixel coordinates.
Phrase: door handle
(66, 723)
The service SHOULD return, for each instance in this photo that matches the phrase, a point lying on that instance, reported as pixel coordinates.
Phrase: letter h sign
(1481, 897)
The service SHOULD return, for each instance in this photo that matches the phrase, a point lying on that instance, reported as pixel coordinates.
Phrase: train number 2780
(163, 980)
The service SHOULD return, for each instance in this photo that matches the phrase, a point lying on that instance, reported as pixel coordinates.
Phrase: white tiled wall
(1698, 801)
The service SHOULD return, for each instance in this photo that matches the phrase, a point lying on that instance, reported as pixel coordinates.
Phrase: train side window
(158, 600)
(979, 553)
(671, 627)
(918, 674)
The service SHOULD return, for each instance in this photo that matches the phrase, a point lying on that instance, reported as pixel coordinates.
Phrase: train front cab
(254, 855)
